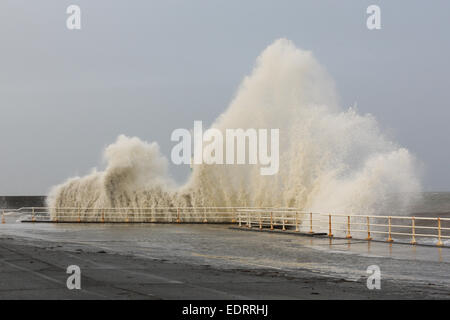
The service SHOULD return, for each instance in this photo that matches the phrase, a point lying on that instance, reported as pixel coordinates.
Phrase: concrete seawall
(16, 202)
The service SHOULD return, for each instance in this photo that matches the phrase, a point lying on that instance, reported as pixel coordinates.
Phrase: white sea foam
(331, 159)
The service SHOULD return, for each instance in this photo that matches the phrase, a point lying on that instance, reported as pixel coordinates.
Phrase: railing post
(439, 243)
(271, 220)
(178, 215)
(249, 222)
(282, 218)
(204, 216)
(296, 221)
(329, 226)
(240, 221)
(260, 221)
(79, 214)
(349, 236)
(33, 218)
(389, 229)
(103, 215)
(3, 217)
(233, 219)
(413, 240)
(368, 229)
(311, 222)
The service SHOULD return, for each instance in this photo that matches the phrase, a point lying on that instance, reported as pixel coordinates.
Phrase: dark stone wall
(16, 202)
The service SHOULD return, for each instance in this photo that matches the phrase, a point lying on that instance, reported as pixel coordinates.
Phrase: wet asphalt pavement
(164, 261)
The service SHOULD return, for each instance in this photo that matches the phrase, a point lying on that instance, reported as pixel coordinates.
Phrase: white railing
(368, 227)
(361, 226)
(130, 215)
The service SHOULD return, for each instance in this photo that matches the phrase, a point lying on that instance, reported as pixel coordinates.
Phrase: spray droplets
(331, 160)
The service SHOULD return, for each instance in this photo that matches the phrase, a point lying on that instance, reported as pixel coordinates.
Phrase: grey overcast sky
(145, 67)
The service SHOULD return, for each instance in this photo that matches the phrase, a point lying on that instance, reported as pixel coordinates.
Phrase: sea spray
(331, 160)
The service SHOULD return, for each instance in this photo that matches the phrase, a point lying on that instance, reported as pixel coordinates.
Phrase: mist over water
(331, 159)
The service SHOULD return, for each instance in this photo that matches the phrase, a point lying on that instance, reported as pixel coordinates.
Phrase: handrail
(348, 226)
(283, 218)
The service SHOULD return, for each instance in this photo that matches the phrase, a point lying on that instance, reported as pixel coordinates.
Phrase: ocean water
(433, 204)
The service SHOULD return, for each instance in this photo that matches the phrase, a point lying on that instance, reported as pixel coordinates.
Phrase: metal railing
(368, 227)
(129, 214)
